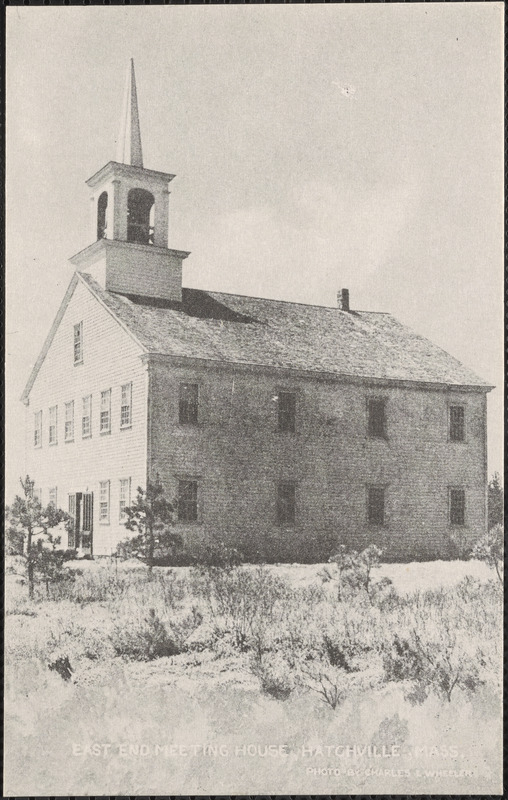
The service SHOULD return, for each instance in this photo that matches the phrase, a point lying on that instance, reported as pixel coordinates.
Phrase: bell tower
(129, 219)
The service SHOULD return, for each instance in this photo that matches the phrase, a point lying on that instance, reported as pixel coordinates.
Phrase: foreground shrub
(275, 675)
(490, 550)
(353, 573)
(145, 641)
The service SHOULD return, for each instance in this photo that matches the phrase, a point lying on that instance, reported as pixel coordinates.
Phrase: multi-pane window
(188, 404)
(78, 343)
(187, 500)
(126, 406)
(286, 503)
(53, 424)
(457, 507)
(376, 409)
(457, 423)
(376, 505)
(69, 421)
(125, 497)
(104, 501)
(286, 411)
(38, 429)
(52, 497)
(86, 417)
(105, 419)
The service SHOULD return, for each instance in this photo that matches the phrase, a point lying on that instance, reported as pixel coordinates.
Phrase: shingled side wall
(237, 455)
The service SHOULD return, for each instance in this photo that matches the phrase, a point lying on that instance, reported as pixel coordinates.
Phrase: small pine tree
(151, 515)
(495, 501)
(27, 523)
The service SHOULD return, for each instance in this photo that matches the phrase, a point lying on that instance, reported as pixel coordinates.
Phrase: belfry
(130, 217)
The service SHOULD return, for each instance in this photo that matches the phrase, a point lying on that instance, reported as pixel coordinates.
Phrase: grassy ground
(252, 658)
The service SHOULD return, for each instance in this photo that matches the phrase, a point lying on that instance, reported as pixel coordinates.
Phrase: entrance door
(81, 510)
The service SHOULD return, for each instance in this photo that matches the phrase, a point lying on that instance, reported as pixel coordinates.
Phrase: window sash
(457, 423)
(53, 425)
(78, 342)
(457, 507)
(286, 503)
(125, 497)
(377, 417)
(188, 404)
(105, 415)
(187, 500)
(69, 421)
(104, 501)
(126, 405)
(86, 418)
(287, 411)
(376, 505)
(38, 429)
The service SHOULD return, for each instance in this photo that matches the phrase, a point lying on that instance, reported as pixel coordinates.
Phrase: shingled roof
(252, 331)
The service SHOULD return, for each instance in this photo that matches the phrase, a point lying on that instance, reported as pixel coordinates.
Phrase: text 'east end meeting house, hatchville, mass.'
(281, 428)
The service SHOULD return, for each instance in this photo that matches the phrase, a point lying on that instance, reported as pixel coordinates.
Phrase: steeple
(129, 140)
(129, 219)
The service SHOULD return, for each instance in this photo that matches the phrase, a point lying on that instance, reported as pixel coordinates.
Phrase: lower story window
(457, 507)
(286, 503)
(52, 496)
(104, 501)
(376, 505)
(187, 501)
(125, 497)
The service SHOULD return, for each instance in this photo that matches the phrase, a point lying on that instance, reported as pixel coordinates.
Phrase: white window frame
(105, 408)
(104, 502)
(53, 424)
(38, 429)
(78, 343)
(69, 421)
(126, 403)
(86, 398)
(124, 498)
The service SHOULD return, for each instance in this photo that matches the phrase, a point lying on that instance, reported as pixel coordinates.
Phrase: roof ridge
(288, 302)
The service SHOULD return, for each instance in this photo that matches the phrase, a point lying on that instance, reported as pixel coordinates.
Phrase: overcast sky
(315, 148)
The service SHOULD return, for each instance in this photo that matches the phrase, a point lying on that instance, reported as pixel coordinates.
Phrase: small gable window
(187, 500)
(53, 425)
(376, 505)
(376, 409)
(286, 503)
(287, 411)
(69, 421)
(457, 506)
(457, 424)
(105, 419)
(78, 343)
(188, 404)
(38, 429)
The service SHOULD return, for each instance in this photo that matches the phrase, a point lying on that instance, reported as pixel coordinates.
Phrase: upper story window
(457, 507)
(457, 423)
(53, 425)
(376, 505)
(188, 404)
(38, 429)
(187, 500)
(53, 497)
(86, 417)
(286, 503)
(126, 406)
(376, 409)
(287, 411)
(125, 497)
(102, 216)
(78, 343)
(140, 205)
(105, 418)
(104, 501)
(69, 421)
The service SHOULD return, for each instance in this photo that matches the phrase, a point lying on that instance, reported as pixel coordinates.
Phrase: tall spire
(129, 141)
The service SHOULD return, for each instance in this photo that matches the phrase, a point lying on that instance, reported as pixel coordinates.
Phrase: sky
(315, 148)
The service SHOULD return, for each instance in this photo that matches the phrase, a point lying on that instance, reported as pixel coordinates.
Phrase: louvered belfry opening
(140, 205)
